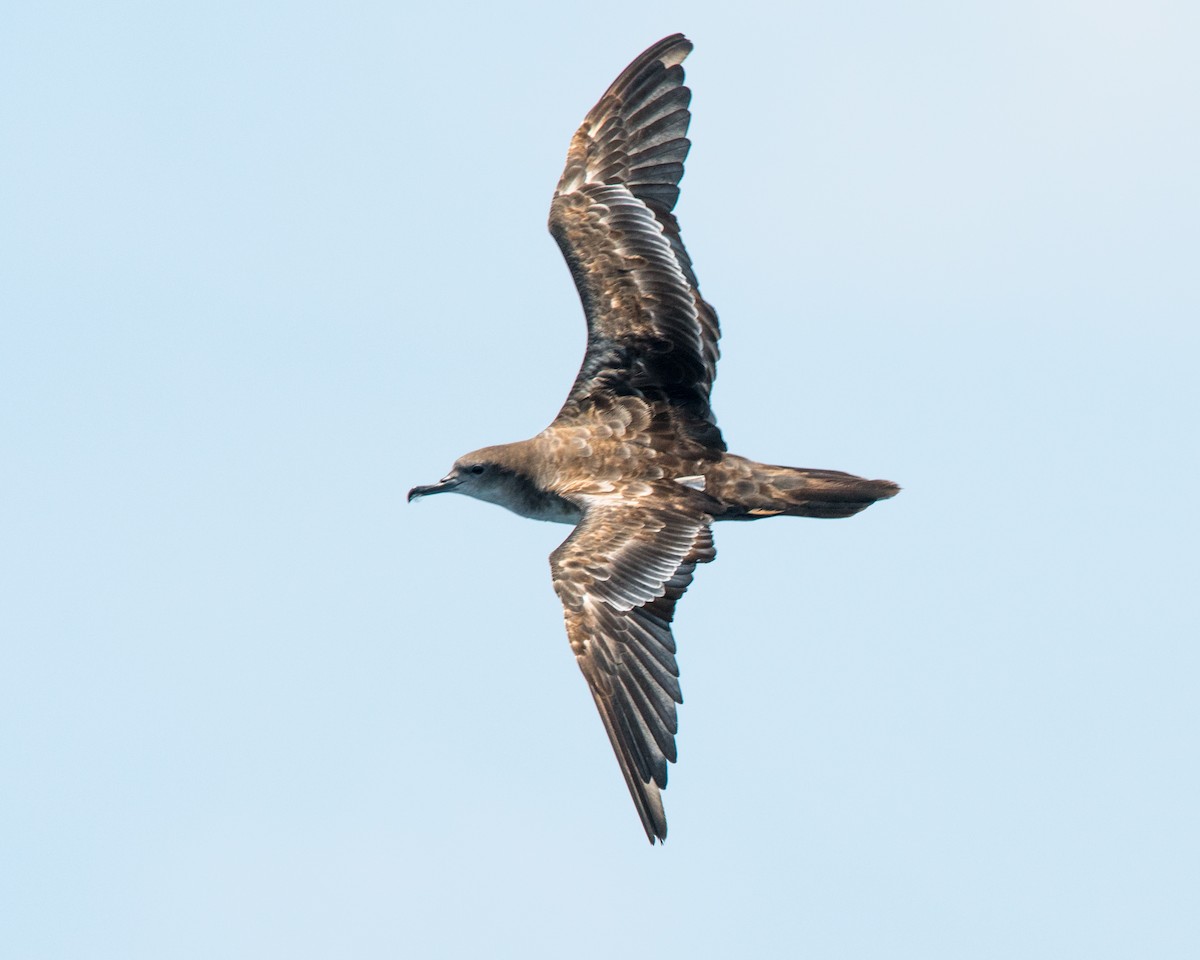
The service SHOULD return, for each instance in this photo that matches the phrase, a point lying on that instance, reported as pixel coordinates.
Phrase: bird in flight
(635, 460)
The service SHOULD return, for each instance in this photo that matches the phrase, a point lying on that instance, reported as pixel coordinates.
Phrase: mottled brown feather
(650, 333)
(619, 576)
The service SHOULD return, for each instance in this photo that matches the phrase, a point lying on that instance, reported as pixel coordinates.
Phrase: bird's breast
(524, 497)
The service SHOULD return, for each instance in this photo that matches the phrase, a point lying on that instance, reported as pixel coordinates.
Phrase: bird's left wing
(619, 576)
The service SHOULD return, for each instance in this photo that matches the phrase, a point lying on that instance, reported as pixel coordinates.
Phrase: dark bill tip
(442, 486)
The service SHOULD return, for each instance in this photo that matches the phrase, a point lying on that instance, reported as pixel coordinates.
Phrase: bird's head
(479, 474)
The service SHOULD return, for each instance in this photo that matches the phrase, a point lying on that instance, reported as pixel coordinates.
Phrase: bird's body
(635, 460)
(539, 478)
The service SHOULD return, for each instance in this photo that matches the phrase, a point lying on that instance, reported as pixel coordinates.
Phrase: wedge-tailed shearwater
(634, 460)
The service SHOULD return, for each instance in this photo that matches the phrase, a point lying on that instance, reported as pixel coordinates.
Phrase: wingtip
(656, 830)
(669, 51)
(675, 49)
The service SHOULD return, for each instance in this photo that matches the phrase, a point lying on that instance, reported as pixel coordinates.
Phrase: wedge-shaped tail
(752, 490)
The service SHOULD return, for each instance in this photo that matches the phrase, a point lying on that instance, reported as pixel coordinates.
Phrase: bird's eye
(478, 468)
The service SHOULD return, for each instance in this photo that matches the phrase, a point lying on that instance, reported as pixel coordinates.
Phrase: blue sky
(264, 267)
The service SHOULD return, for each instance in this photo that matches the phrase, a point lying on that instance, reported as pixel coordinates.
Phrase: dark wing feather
(650, 333)
(619, 576)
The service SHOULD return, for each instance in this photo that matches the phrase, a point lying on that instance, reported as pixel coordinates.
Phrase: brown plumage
(635, 459)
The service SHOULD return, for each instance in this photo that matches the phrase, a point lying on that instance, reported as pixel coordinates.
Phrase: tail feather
(753, 490)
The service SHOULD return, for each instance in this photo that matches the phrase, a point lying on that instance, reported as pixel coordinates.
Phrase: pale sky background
(266, 266)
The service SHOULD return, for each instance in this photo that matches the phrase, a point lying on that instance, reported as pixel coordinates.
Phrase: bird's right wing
(619, 576)
(650, 333)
